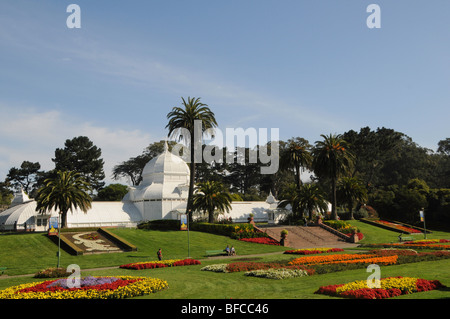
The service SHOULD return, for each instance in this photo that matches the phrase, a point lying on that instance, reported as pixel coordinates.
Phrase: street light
(422, 218)
(59, 239)
(189, 247)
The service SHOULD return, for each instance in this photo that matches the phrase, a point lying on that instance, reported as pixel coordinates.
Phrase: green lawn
(28, 253)
(374, 234)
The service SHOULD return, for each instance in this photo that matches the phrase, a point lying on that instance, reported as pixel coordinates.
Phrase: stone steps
(307, 237)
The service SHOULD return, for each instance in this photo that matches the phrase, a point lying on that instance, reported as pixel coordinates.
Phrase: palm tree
(185, 117)
(332, 159)
(297, 156)
(311, 199)
(349, 191)
(211, 197)
(66, 191)
(307, 199)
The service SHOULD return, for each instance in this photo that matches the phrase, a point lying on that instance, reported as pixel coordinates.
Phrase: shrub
(160, 224)
(235, 231)
(341, 226)
(52, 273)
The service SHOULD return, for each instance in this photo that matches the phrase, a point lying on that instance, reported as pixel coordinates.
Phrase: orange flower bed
(344, 258)
(387, 260)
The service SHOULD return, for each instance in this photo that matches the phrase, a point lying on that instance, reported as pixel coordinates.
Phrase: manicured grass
(373, 234)
(192, 283)
(31, 252)
(28, 253)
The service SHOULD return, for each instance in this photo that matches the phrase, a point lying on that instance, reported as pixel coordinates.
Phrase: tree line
(382, 168)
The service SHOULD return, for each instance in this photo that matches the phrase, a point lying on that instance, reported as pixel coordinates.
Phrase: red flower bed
(372, 293)
(43, 287)
(398, 226)
(143, 266)
(261, 240)
(186, 262)
(360, 235)
(161, 264)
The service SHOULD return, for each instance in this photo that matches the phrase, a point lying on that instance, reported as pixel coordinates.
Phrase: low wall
(334, 231)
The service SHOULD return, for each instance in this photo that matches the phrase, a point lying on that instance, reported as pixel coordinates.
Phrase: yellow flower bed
(389, 287)
(136, 287)
(405, 284)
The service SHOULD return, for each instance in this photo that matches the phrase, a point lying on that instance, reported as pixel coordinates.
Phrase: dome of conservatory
(165, 167)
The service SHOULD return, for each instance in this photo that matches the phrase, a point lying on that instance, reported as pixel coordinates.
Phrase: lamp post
(59, 239)
(189, 247)
(422, 218)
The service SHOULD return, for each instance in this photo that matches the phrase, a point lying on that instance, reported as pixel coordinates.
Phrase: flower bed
(345, 259)
(397, 226)
(426, 241)
(412, 246)
(277, 273)
(309, 251)
(161, 264)
(360, 235)
(261, 240)
(215, 268)
(89, 288)
(251, 266)
(389, 287)
(52, 272)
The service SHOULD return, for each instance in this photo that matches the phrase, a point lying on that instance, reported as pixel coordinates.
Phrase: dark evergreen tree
(82, 156)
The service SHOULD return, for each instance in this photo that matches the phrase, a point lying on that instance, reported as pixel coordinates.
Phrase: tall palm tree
(297, 156)
(210, 197)
(66, 191)
(185, 117)
(350, 190)
(332, 159)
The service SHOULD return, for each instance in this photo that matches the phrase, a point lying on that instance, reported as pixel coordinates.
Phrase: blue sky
(305, 67)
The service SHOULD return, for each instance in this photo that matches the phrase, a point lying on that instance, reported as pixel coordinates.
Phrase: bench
(2, 270)
(216, 252)
(405, 238)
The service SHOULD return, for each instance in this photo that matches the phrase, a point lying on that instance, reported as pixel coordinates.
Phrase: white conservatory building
(162, 194)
